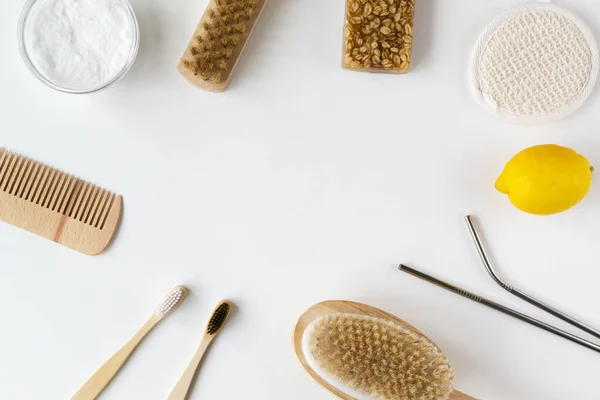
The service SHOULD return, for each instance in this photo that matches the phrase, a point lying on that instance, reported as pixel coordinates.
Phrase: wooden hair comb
(55, 205)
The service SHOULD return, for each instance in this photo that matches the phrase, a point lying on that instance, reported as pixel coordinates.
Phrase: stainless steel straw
(501, 308)
(510, 289)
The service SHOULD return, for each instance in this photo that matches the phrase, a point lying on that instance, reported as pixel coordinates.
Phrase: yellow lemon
(546, 179)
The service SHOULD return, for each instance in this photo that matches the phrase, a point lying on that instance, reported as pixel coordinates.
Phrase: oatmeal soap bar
(378, 35)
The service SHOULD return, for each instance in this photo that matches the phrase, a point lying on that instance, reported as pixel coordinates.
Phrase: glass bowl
(78, 90)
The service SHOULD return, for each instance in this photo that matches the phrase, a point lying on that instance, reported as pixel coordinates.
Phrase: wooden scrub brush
(359, 352)
(218, 42)
(55, 205)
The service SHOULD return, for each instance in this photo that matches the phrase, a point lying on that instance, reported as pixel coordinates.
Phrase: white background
(301, 183)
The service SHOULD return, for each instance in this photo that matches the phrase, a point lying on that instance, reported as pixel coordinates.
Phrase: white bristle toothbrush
(214, 326)
(96, 384)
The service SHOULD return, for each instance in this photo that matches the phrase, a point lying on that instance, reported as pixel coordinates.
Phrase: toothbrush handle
(97, 382)
(182, 387)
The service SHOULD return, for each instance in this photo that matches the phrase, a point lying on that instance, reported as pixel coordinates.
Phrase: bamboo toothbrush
(96, 384)
(214, 326)
(359, 352)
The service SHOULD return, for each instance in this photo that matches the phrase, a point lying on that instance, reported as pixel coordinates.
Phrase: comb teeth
(54, 190)
(218, 318)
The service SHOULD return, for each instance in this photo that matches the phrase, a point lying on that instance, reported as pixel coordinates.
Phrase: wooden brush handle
(183, 385)
(94, 386)
(237, 50)
(456, 395)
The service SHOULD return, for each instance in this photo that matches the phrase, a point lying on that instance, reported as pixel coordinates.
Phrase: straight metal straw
(551, 310)
(501, 308)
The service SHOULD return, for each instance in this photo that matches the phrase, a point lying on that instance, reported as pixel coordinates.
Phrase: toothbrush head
(170, 302)
(218, 318)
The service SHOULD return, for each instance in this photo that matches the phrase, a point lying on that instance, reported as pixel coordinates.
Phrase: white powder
(79, 44)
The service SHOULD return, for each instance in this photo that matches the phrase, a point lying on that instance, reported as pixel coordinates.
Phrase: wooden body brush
(359, 352)
(56, 205)
(218, 42)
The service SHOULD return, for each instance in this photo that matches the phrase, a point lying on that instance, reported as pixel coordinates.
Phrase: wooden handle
(183, 385)
(339, 306)
(456, 395)
(237, 50)
(96, 384)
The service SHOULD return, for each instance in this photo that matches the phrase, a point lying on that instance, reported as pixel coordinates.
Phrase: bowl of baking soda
(78, 46)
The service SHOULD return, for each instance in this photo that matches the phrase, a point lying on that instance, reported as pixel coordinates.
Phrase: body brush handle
(456, 395)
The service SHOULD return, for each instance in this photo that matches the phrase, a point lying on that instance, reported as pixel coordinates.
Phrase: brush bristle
(379, 359)
(225, 21)
(173, 299)
(218, 318)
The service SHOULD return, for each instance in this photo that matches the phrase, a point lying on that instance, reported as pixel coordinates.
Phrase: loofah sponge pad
(534, 63)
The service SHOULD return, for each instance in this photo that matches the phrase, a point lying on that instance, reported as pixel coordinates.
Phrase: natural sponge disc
(534, 63)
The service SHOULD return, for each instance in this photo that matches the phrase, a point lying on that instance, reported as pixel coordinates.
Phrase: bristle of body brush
(56, 205)
(371, 358)
(219, 41)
